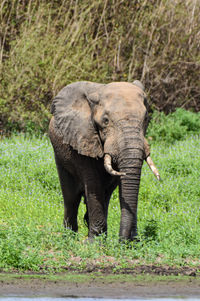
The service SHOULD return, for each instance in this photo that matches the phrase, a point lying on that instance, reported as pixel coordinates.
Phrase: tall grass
(31, 211)
(45, 45)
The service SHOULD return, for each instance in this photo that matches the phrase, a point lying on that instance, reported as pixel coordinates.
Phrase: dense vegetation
(45, 45)
(31, 208)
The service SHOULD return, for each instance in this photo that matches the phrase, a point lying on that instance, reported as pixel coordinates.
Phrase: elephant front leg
(71, 197)
(97, 209)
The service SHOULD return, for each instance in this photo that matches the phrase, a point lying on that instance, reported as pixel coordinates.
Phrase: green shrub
(173, 127)
(46, 45)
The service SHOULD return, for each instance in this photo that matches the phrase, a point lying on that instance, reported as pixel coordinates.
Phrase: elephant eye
(105, 121)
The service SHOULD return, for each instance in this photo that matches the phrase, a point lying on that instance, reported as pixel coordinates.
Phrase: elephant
(98, 136)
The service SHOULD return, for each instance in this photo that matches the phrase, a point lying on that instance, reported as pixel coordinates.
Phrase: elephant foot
(96, 238)
(73, 226)
(89, 240)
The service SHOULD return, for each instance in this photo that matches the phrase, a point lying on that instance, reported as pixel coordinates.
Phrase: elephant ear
(141, 86)
(147, 118)
(73, 119)
(138, 84)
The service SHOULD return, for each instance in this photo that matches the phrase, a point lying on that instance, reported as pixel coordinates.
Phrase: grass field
(31, 211)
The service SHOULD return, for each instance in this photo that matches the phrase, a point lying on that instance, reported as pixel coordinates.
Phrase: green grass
(31, 211)
(96, 277)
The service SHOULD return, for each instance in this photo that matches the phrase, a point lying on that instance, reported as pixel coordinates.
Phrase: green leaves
(173, 127)
(46, 46)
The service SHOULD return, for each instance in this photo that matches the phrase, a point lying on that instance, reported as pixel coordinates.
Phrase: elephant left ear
(73, 118)
(138, 84)
(144, 97)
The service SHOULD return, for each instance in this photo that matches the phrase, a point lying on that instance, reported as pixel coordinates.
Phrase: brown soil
(148, 269)
(95, 288)
(142, 281)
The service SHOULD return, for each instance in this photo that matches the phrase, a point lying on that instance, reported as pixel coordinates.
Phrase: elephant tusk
(153, 167)
(108, 166)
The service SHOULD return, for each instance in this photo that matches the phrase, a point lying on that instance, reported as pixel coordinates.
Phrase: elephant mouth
(112, 172)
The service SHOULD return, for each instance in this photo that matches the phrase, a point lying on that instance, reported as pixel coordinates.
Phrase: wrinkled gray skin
(91, 120)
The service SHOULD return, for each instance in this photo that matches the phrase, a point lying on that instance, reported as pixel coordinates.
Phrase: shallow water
(93, 299)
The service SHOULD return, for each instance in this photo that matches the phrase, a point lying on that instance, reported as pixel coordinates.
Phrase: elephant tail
(86, 216)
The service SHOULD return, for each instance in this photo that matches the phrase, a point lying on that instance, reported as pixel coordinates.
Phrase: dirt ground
(95, 288)
(144, 282)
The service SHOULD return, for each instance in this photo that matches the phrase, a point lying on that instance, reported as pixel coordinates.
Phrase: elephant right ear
(73, 119)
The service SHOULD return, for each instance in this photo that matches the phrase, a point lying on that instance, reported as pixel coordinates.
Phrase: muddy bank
(100, 288)
(121, 285)
(143, 269)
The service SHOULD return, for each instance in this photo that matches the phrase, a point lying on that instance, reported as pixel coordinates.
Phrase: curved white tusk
(108, 166)
(152, 167)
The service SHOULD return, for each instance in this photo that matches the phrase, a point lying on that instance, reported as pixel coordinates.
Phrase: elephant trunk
(130, 162)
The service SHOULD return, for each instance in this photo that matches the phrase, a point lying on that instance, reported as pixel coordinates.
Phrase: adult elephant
(97, 133)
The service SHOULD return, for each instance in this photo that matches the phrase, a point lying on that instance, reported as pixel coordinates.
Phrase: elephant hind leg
(72, 197)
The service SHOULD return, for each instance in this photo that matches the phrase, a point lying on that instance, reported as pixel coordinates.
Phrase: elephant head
(109, 121)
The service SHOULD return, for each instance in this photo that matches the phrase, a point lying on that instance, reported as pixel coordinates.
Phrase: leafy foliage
(46, 45)
(173, 127)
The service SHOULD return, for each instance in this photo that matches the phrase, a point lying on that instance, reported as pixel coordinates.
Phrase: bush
(173, 127)
(46, 45)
